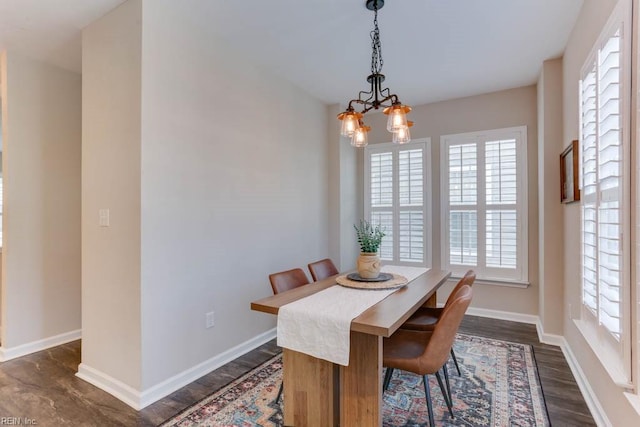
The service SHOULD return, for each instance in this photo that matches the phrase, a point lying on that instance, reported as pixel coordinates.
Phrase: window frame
(490, 274)
(616, 357)
(425, 144)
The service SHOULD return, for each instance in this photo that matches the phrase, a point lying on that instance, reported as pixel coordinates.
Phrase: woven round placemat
(398, 281)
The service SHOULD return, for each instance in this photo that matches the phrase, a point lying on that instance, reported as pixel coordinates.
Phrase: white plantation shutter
(381, 196)
(395, 184)
(463, 195)
(484, 204)
(601, 141)
(385, 219)
(501, 220)
(463, 237)
(411, 236)
(381, 180)
(589, 188)
(411, 205)
(502, 238)
(605, 272)
(410, 172)
(609, 182)
(463, 174)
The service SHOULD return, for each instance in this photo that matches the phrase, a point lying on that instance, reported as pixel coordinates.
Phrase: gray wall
(41, 221)
(111, 170)
(217, 175)
(550, 144)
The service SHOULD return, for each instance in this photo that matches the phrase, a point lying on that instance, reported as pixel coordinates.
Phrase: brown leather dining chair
(425, 318)
(322, 269)
(284, 281)
(426, 352)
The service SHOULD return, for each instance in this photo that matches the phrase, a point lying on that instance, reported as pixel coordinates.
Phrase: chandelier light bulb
(349, 122)
(402, 135)
(360, 136)
(397, 117)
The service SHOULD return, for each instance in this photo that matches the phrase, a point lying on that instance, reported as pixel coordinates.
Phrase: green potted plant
(369, 239)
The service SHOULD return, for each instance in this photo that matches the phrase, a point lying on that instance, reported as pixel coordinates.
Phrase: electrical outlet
(210, 320)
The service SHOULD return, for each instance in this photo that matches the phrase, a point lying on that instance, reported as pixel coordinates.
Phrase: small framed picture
(569, 190)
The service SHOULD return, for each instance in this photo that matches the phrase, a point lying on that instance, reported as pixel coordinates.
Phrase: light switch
(103, 217)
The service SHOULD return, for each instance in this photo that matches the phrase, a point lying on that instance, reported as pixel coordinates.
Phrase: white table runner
(320, 324)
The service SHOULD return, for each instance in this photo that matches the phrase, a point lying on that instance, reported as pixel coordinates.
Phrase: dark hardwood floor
(43, 386)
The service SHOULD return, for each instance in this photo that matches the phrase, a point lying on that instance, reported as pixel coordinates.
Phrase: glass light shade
(402, 136)
(360, 137)
(397, 117)
(350, 121)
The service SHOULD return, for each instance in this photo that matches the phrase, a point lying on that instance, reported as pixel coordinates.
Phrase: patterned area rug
(499, 386)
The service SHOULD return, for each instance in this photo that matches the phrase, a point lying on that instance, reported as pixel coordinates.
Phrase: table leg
(361, 382)
(309, 390)
(432, 301)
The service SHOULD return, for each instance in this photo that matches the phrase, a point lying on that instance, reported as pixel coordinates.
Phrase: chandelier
(377, 97)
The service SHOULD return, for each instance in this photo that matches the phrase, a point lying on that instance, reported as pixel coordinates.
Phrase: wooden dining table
(320, 393)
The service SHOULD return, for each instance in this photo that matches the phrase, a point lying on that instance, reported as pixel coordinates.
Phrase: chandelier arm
(372, 99)
(371, 103)
(386, 93)
(362, 92)
(385, 99)
(367, 104)
(369, 108)
(357, 101)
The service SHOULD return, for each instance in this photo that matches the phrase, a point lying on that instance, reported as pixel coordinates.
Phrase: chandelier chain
(376, 54)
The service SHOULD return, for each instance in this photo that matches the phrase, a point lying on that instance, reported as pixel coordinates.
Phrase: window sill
(634, 400)
(507, 284)
(609, 363)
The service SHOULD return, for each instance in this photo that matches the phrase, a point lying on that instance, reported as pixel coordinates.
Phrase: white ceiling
(49, 30)
(432, 49)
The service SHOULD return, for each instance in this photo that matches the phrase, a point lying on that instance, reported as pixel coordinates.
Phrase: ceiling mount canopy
(377, 97)
(375, 4)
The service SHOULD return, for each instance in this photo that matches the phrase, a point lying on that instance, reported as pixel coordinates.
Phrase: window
(484, 204)
(397, 189)
(604, 133)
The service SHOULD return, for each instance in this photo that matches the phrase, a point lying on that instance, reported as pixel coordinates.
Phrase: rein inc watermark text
(17, 421)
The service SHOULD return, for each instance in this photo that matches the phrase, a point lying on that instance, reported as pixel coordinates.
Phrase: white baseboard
(551, 339)
(503, 315)
(8, 353)
(598, 413)
(178, 381)
(530, 319)
(117, 388)
(138, 400)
